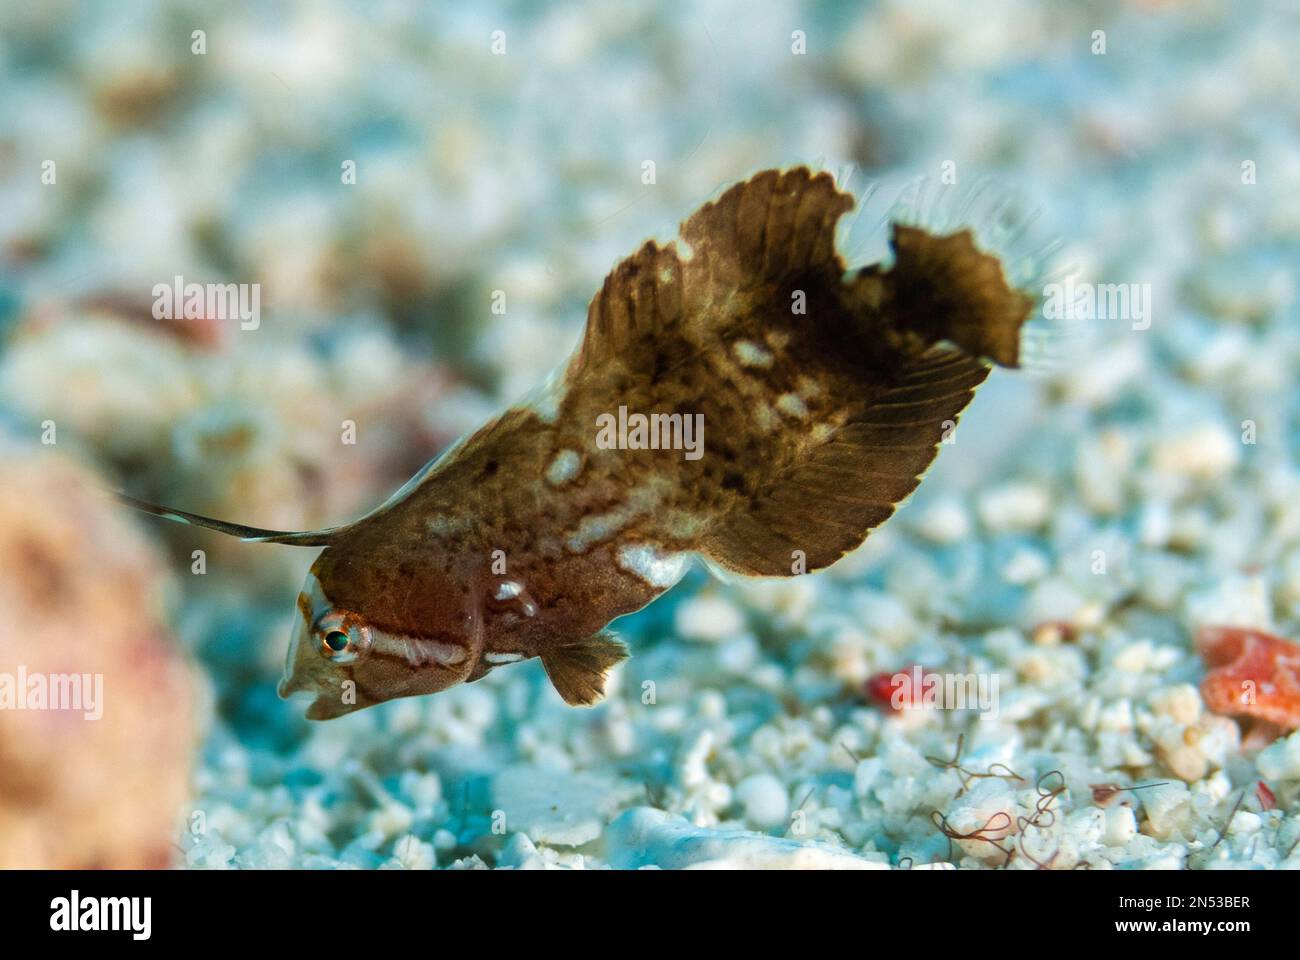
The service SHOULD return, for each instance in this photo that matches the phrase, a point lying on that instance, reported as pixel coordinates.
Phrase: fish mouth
(302, 682)
(323, 702)
(322, 705)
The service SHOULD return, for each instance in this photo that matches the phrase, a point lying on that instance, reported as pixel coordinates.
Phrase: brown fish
(824, 397)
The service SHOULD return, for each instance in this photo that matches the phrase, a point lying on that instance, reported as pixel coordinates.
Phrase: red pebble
(880, 688)
(1266, 799)
(1253, 674)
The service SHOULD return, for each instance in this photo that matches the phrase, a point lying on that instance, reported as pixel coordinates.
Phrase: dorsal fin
(302, 538)
(769, 227)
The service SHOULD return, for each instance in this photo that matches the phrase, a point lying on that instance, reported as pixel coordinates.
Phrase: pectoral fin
(578, 669)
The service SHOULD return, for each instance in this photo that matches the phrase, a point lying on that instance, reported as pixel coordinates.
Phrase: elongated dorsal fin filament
(301, 538)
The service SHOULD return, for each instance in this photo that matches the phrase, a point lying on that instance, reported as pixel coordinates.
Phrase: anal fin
(825, 502)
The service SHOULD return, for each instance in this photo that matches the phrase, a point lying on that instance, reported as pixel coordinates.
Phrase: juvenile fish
(746, 403)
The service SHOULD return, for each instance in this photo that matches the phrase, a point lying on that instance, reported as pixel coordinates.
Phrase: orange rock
(1252, 674)
(97, 703)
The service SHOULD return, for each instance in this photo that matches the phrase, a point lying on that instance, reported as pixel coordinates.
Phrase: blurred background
(381, 170)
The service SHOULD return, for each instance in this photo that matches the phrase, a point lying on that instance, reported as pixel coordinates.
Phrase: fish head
(352, 648)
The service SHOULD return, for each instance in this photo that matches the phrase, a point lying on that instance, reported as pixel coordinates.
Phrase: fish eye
(341, 637)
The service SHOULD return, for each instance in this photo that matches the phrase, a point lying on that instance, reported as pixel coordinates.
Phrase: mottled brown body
(822, 398)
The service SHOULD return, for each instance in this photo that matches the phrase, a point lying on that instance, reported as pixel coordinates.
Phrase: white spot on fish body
(652, 565)
(419, 651)
(593, 529)
(751, 354)
(563, 468)
(791, 405)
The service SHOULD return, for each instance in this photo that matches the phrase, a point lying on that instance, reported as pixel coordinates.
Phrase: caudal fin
(943, 287)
